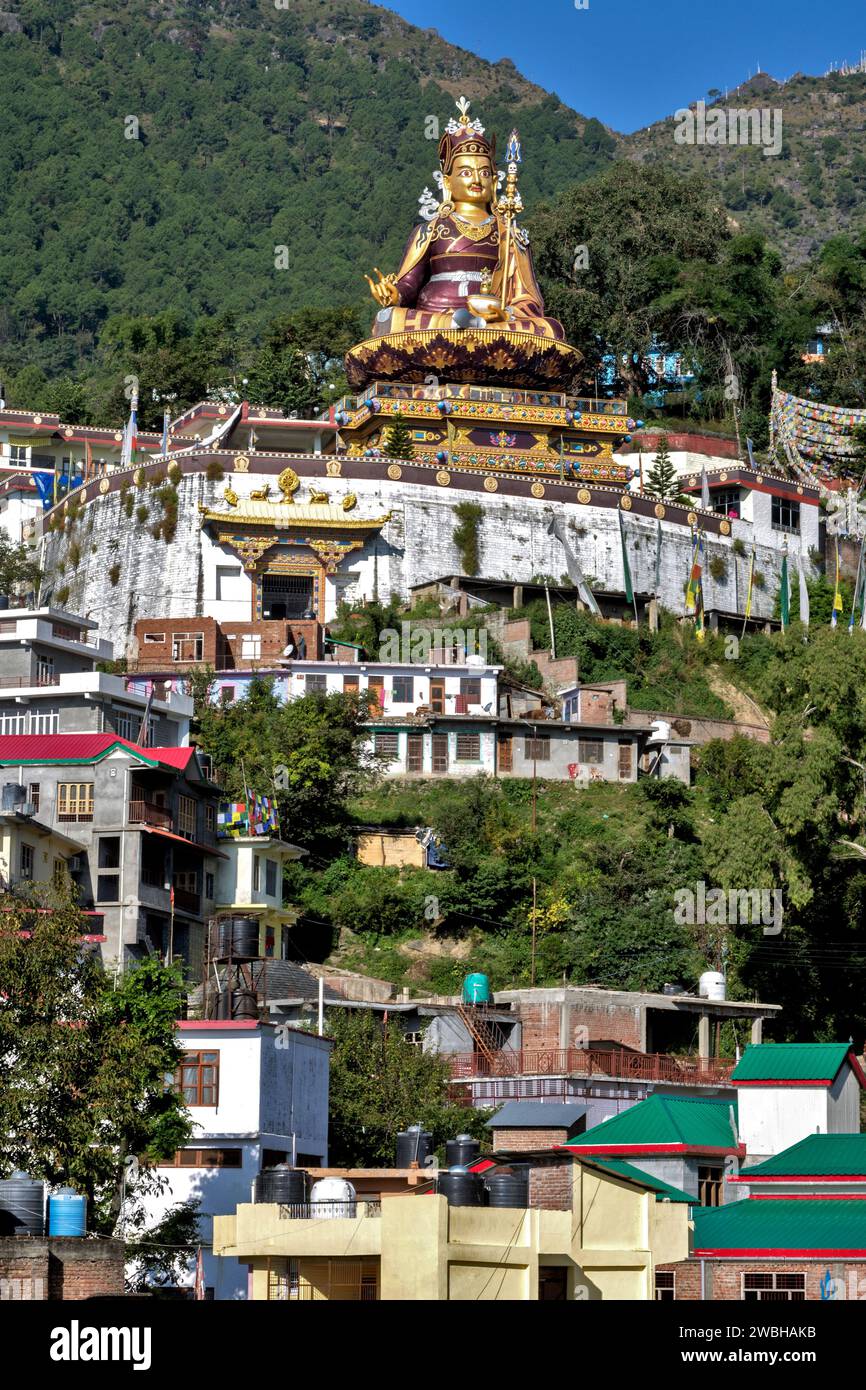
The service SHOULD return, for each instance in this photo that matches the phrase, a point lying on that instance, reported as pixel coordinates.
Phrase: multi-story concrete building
(257, 1096)
(144, 821)
(49, 683)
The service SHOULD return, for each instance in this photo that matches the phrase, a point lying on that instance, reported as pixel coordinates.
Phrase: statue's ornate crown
(464, 137)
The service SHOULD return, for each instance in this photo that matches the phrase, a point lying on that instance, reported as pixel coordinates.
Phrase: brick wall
(223, 643)
(542, 1027)
(157, 656)
(275, 637)
(527, 1140)
(724, 1278)
(550, 1184)
(55, 1269)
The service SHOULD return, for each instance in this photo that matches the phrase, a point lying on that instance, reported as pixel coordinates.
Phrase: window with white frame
(774, 1287)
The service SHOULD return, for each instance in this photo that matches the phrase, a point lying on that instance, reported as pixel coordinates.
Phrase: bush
(718, 569)
(215, 471)
(114, 574)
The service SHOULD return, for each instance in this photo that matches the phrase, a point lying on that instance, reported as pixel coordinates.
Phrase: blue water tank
(476, 989)
(67, 1213)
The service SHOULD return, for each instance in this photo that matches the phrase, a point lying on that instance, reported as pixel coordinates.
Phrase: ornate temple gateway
(250, 518)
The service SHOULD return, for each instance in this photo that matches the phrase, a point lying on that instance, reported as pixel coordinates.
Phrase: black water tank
(238, 937)
(245, 1004)
(461, 1188)
(284, 1184)
(414, 1145)
(462, 1151)
(22, 1206)
(508, 1189)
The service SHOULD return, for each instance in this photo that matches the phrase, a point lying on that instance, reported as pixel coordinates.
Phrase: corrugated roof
(818, 1062)
(811, 1226)
(621, 1169)
(663, 1122)
(536, 1114)
(818, 1155)
(82, 748)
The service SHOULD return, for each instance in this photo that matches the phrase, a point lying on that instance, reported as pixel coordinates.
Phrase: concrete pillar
(517, 596)
(653, 614)
(757, 1030)
(704, 1048)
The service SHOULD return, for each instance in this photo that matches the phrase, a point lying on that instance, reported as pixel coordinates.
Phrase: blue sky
(631, 62)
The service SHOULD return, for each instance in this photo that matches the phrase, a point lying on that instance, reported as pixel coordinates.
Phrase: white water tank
(711, 985)
(332, 1197)
(660, 732)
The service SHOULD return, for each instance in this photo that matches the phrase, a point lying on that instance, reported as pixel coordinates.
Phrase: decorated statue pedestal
(461, 348)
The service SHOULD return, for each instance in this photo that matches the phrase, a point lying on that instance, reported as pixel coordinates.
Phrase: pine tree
(662, 480)
(398, 444)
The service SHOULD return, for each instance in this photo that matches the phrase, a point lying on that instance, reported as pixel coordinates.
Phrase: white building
(49, 683)
(258, 1096)
(787, 1091)
(249, 883)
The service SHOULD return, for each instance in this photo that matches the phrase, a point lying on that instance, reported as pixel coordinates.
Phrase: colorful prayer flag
(695, 575)
(837, 597)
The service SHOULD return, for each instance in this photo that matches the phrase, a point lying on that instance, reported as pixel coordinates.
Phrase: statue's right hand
(384, 290)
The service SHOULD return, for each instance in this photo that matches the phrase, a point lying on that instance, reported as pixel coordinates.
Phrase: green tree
(310, 753)
(398, 444)
(19, 569)
(379, 1084)
(82, 1063)
(662, 480)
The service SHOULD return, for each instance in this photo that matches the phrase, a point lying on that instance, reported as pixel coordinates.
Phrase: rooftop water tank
(711, 985)
(67, 1213)
(332, 1197)
(476, 989)
(245, 1004)
(462, 1189)
(22, 1206)
(414, 1145)
(13, 796)
(462, 1151)
(238, 937)
(283, 1184)
(508, 1188)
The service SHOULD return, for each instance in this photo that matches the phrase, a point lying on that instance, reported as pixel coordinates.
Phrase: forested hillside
(814, 188)
(258, 127)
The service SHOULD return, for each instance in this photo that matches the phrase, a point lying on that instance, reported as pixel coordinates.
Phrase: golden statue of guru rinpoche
(468, 268)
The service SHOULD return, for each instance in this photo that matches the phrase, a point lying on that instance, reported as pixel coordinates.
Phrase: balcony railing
(306, 1211)
(576, 1061)
(27, 682)
(147, 813)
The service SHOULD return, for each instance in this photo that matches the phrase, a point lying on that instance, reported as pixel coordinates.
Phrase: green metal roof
(621, 1169)
(808, 1226)
(663, 1121)
(818, 1155)
(791, 1062)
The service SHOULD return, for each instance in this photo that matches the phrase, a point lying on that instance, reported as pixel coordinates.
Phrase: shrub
(114, 573)
(174, 472)
(141, 514)
(215, 471)
(465, 535)
(759, 579)
(62, 595)
(74, 554)
(718, 569)
(738, 547)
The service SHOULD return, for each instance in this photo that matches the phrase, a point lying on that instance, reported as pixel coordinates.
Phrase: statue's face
(472, 180)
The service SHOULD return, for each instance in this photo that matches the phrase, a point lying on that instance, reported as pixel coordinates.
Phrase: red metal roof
(82, 748)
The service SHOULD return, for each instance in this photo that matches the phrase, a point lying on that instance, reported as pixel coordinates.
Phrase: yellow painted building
(416, 1247)
(31, 852)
